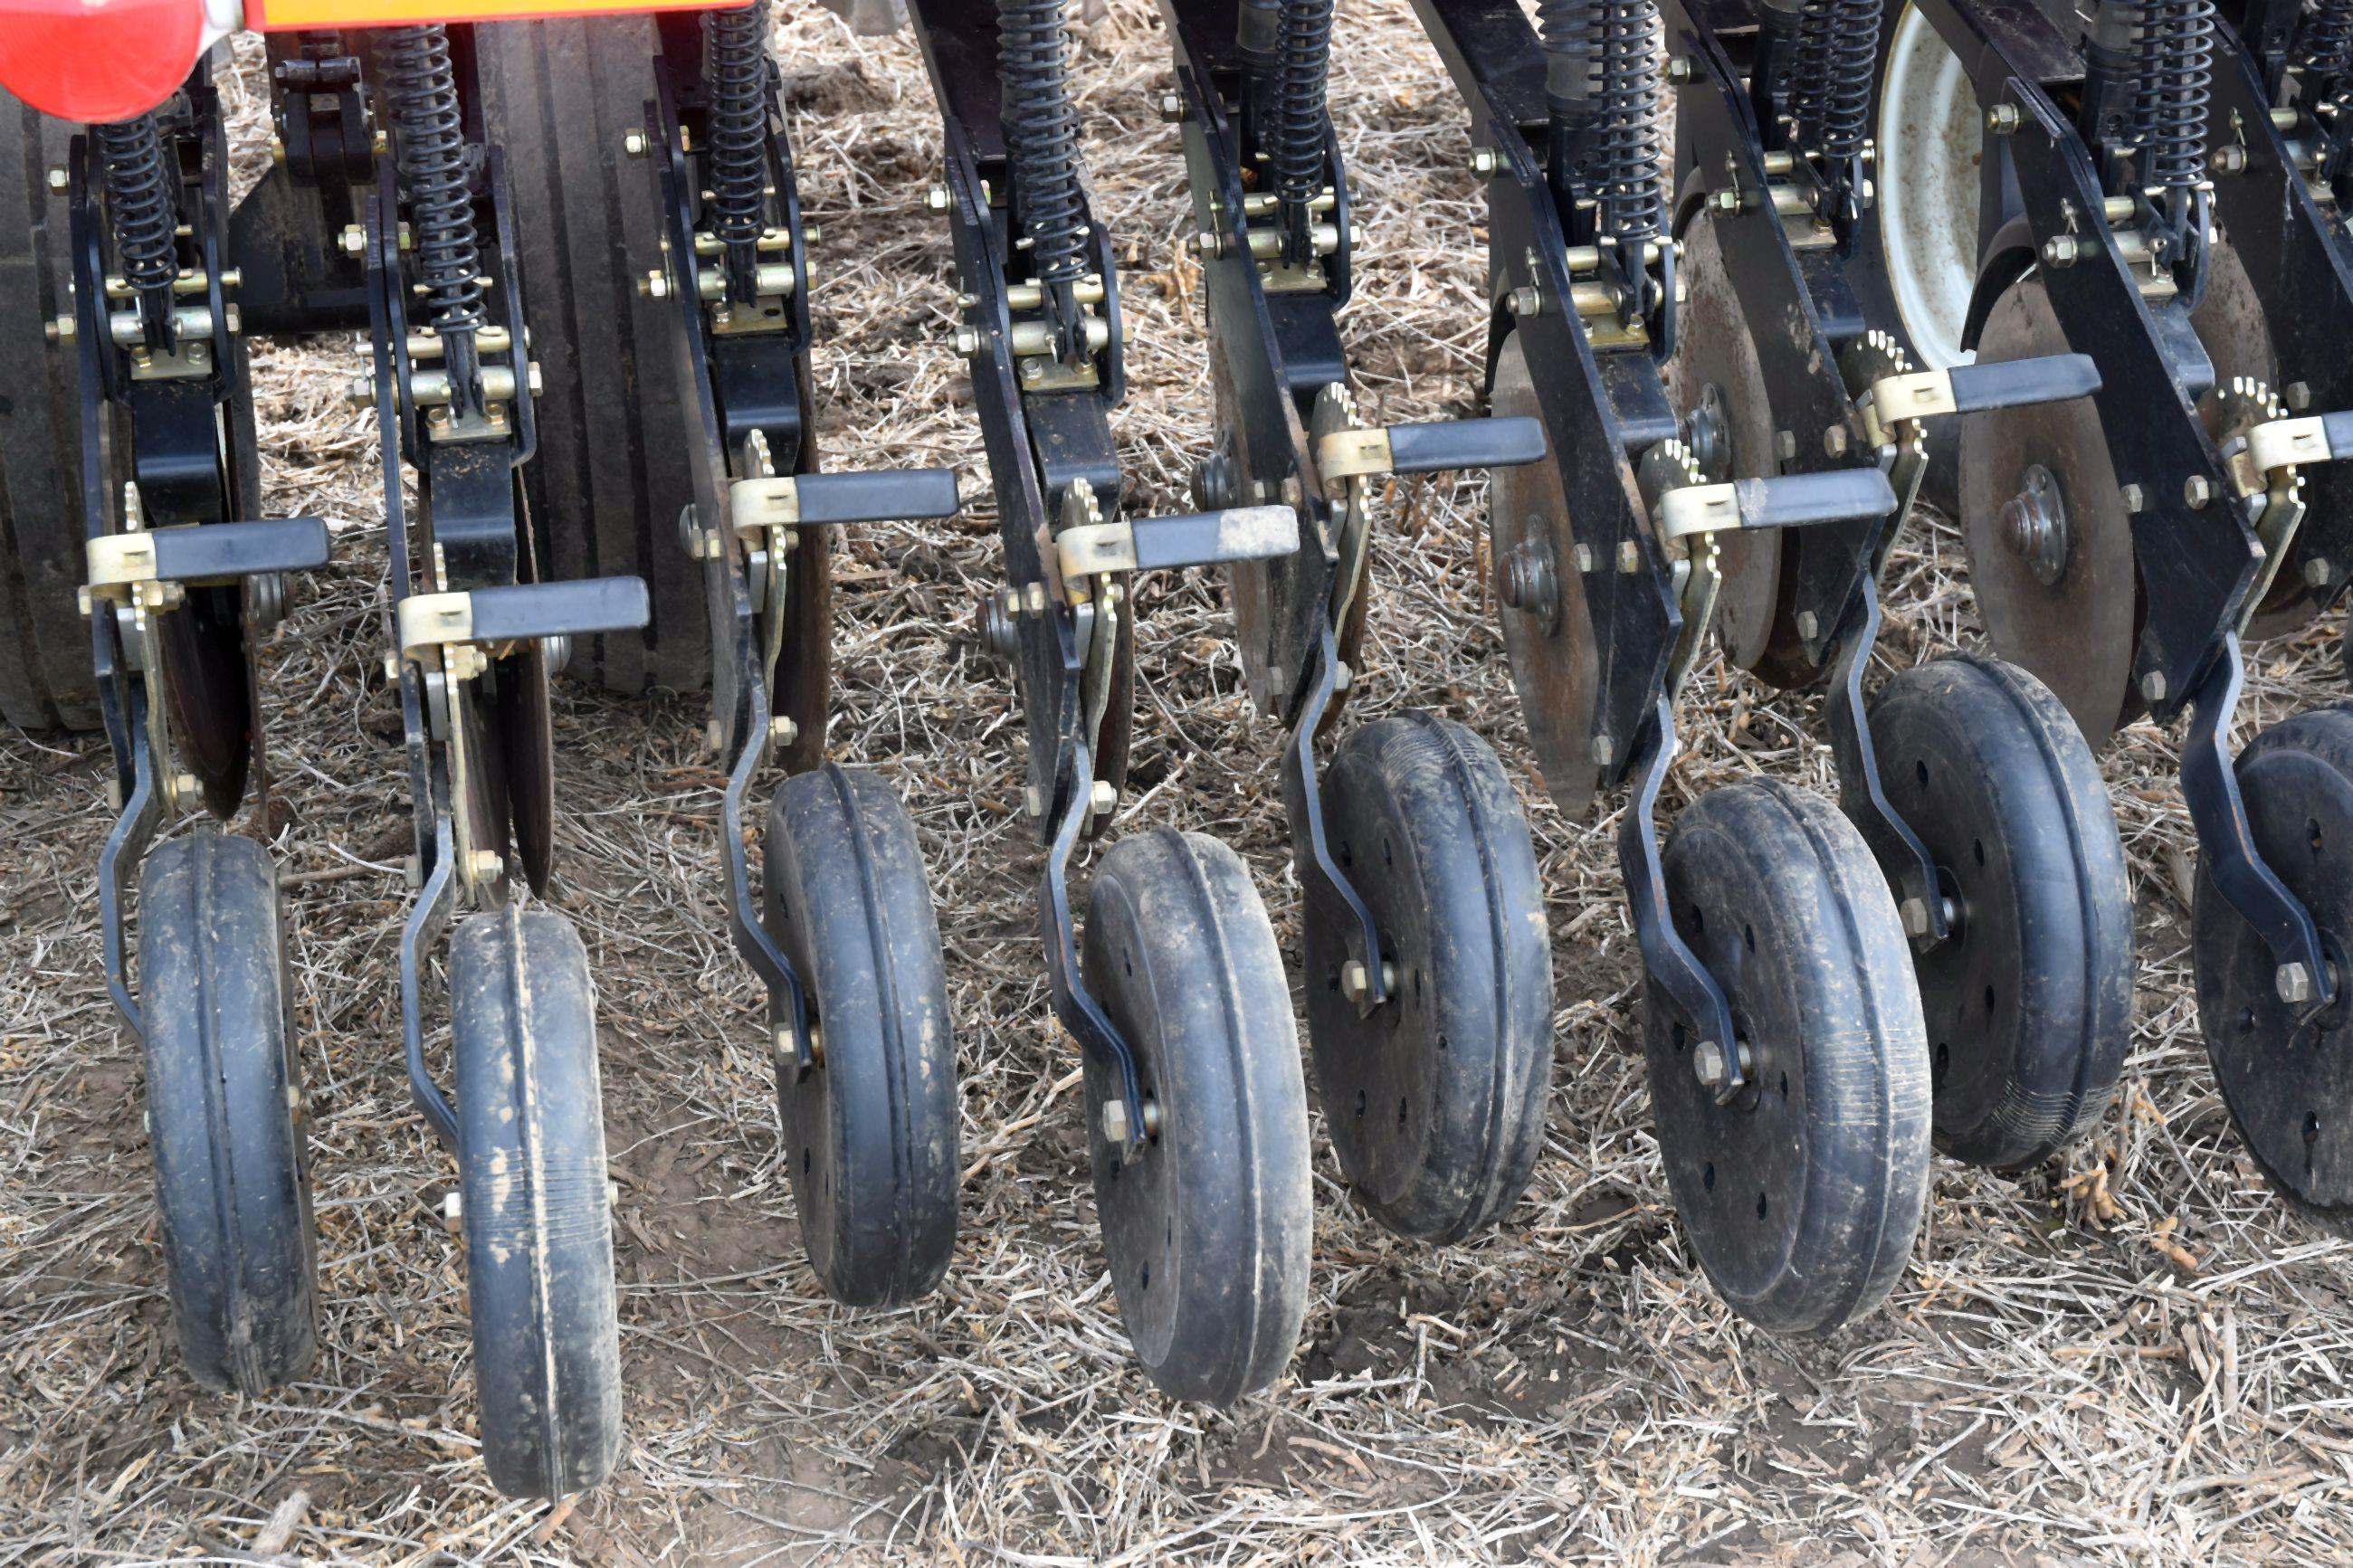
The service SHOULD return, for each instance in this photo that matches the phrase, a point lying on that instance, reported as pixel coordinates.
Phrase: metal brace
(1900, 400)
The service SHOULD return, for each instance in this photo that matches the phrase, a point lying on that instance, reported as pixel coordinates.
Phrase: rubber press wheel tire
(610, 479)
(2288, 1082)
(1207, 1235)
(45, 672)
(869, 1133)
(2028, 1003)
(1435, 1099)
(225, 1116)
(538, 1218)
(1802, 1197)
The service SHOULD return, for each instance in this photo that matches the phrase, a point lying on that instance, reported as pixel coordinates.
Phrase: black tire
(2288, 1084)
(2028, 1005)
(44, 672)
(1424, 823)
(870, 1133)
(224, 1117)
(1207, 1238)
(538, 1216)
(611, 476)
(1824, 1158)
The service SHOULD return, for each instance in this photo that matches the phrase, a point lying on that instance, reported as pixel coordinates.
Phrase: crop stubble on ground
(2130, 1355)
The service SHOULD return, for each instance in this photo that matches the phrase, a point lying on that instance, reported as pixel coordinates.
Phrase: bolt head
(2152, 685)
(2197, 490)
(1916, 916)
(354, 240)
(1483, 161)
(1526, 302)
(2002, 118)
(783, 730)
(1104, 798)
(453, 1211)
(656, 286)
(183, 787)
(2294, 984)
(1033, 801)
(2320, 572)
(2059, 250)
(2134, 498)
(634, 143)
(488, 865)
(1708, 1063)
(1678, 69)
(1630, 556)
(412, 870)
(1114, 1122)
(2230, 159)
(2299, 396)
(1207, 246)
(1172, 109)
(59, 181)
(1834, 440)
(936, 198)
(1810, 625)
(1726, 200)
(967, 341)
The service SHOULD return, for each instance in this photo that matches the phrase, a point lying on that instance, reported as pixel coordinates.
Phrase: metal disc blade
(1713, 351)
(2236, 332)
(1556, 667)
(2076, 633)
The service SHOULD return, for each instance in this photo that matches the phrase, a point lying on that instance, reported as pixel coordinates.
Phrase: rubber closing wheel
(1436, 1099)
(2289, 1086)
(1802, 1197)
(2028, 1004)
(870, 1133)
(539, 1222)
(1207, 1236)
(224, 1117)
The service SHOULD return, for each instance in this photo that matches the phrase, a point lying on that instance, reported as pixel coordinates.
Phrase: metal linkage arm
(1789, 501)
(1493, 443)
(521, 613)
(811, 501)
(1186, 539)
(155, 560)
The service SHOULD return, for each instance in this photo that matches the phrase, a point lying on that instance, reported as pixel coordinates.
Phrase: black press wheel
(2028, 1003)
(869, 1133)
(2288, 1084)
(226, 1118)
(1435, 1099)
(538, 1218)
(1208, 1234)
(1803, 1195)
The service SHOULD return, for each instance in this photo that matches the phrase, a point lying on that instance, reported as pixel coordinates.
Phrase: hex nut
(2294, 984)
(1114, 1122)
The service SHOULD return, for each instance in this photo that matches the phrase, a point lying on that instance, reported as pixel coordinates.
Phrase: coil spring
(1297, 154)
(740, 89)
(2324, 48)
(141, 202)
(1041, 136)
(2177, 55)
(421, 97)
(1615, 43)
(1830, 82)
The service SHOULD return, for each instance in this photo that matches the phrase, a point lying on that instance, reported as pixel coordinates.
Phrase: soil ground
(2131, 1355)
